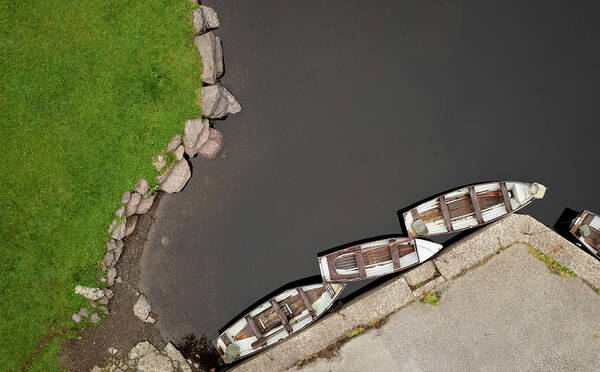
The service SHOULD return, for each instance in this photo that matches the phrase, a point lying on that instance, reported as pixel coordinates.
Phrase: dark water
(353, 110)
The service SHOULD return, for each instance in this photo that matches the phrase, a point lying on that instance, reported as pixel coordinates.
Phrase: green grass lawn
(89, 92)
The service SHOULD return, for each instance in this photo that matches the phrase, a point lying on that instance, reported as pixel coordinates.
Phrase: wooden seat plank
(506, 197)
(360, 263)
(253, 327)
(446, 213)
(306, 302)
(476, 207)
(415, 214)
(281, 315)
(395, 256)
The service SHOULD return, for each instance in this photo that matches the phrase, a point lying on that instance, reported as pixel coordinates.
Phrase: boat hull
(276, 319)
(375, 259)
(470, 207)
(592, 241)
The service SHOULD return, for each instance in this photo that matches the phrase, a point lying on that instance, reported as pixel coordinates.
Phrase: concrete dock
(502, 306)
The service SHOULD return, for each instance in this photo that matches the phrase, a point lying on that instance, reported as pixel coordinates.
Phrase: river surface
(353, 110)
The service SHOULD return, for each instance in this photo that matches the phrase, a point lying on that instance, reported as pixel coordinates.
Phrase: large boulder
(119, 232)
(196, 133)
(212, 146)
(216, 102)
(211, 52)
(142, 187)
(178, 176)
(145, 204)
(204, 19)
(133, 203)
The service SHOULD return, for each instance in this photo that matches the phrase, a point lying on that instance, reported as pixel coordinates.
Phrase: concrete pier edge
(453, 261)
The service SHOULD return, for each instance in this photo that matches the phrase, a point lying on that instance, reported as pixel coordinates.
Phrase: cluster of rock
(199, 139)
(96, 298)
(145, 357)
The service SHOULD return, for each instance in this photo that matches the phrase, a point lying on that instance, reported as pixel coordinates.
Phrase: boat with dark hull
(374, 259)
(586, 228)
(470, 207)
(276, 319)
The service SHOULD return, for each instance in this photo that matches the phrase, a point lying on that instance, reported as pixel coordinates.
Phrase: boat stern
(426, 249)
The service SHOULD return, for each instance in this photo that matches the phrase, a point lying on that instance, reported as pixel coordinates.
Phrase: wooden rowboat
(276, 319)
(586, 228)
(470, 206)
(374, 259)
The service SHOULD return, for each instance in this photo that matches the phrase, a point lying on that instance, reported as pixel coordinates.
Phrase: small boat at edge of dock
(586, 228)
(374, 259)
(470, 206)
(276, 319)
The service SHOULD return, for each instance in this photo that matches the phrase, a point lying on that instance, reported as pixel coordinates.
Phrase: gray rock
(120, 212)
(92, 304)
(179, 152)
(109, 259)
(119, 232)
(103, 300)
(112, 350)
(117, 252)
(112, 226)
(142, 187)
(111, 245)
(142, 308)
(131, 222)
(178, 177)
(76, 318)
(112, 274)
(159, 162)
(103, 309)
(164, 241)
(133, 203)
(89, 293)
(163, 177)
(118, 279)
(108, 293)
(216, 102)
(211, 148)
(211, 51)
(176, 356)
(94, 318)
(83, 312)
(174, 142)
(155, 362)
(204, 19)
(145, 204)
(141, 349)
(119, 244)
(195, 135)
(125, 197)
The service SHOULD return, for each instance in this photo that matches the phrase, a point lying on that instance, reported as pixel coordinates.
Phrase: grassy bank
(89, 91)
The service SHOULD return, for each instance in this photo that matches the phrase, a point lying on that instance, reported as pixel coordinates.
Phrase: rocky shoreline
(201, 139)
